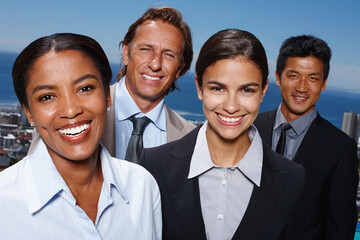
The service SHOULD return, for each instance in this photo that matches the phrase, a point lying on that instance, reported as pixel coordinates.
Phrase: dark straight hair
(58, 42)
(231, 44)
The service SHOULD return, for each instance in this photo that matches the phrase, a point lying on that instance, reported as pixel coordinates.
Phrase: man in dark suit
(327, 207)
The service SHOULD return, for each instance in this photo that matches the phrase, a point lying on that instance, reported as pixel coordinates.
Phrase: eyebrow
(253, 84)
(141, 44)
(293, 71)
(51, 87)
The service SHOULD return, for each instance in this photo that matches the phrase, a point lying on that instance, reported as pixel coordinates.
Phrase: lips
(230, 121)
(76, 132)
(300, 98)
(147, 77)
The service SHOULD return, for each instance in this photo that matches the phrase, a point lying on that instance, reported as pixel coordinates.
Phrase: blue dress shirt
(295, 134)
(37, 204)
(154, 133)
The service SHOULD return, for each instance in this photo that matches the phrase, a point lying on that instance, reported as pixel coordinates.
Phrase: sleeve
(341, 216)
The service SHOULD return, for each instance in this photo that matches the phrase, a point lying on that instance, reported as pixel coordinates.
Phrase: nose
(69, 106)
(231, 104)
(155, 62)
(302, 85)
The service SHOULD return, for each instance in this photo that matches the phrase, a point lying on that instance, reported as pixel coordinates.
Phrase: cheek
(43, 114)
(210, 102)
(252, 104)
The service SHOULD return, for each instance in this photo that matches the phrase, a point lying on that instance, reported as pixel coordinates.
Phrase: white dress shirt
(37, 204)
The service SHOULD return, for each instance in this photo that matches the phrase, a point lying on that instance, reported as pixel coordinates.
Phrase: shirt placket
(221, 205)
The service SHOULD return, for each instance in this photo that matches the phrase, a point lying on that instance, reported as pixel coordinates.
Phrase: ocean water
(331, 105)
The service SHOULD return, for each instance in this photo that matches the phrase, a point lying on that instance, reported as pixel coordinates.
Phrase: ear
(108, 97)
(277, 78)
(324, 85)
(28, 114)
(264, 90)
(125, 50)
(180, 69)
(198, 89)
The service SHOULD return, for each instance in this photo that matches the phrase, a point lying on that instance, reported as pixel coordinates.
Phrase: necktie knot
(139, 124)
(136, 143)
(285, 126)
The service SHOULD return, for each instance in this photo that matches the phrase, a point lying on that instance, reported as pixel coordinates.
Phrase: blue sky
(337, 22)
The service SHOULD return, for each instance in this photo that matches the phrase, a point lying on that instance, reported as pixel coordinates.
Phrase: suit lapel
(173, 125)
(184, 192)
(265, 125)
(308, 144)
(263, 199)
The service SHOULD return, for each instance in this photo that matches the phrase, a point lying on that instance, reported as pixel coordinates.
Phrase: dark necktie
(136, 143)
(280, 147)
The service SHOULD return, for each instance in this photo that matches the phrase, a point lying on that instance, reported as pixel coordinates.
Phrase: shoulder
(176, 119)
(277, 162)
(186, 142)
(330, 134)
(181, 149)
(12, 181)
(265, 116)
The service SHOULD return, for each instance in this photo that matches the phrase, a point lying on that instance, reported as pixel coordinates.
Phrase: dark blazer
(269, 207)
(327, 206)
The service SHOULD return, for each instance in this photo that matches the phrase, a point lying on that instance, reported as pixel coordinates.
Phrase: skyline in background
(336, 22)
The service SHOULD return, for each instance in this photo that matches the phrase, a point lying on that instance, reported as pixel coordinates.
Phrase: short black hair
(304, 46)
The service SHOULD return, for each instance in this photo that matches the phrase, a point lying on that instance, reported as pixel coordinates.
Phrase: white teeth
(300, 98)
(75, 130)
(226, 119)
(151, 78)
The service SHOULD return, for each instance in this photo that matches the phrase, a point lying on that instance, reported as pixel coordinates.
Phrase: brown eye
(46, 97)
(86, 89)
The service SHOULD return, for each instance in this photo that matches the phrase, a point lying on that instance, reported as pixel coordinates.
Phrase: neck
(227, 153)
(291, 116)
(80, 174)
(144, 103)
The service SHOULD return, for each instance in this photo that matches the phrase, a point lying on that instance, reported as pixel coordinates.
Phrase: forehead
(304, 64)
(237, 71)
(66, 64)
(159, 33)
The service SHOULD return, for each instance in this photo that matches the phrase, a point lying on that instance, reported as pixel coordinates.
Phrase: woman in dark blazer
(220, 181)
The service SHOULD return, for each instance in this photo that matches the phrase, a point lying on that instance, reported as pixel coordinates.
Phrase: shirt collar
(111, 178)
(250, 165)
(124, 111)
(298, 125)
(44, 181)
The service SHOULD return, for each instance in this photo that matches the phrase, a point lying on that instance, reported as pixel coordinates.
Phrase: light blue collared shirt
(295, 134)
(225, 191)
(37, 204)
(154, 133)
